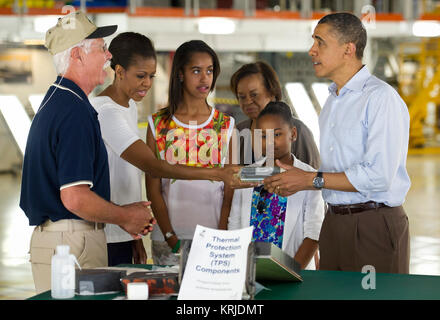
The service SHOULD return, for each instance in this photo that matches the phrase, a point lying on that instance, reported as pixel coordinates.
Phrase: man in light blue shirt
(364, 127)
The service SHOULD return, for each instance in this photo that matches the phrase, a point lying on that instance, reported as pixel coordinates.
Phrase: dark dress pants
(377, 237)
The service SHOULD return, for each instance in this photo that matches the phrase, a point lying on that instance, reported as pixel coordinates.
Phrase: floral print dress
(268, 215)
(204, 146)
(189, 202)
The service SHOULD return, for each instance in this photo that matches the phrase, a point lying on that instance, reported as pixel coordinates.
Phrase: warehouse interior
(403, 49)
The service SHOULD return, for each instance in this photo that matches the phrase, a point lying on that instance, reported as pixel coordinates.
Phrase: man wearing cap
(65, 183)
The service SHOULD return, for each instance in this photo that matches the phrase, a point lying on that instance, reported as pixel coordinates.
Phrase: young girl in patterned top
(292, 223)
(188, 131)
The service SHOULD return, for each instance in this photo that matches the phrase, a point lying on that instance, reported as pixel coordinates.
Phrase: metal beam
(407, 9)
(83, 6)
(306, 8)
(133, 6)
(196, 7)
(359, 4)
(250, 6)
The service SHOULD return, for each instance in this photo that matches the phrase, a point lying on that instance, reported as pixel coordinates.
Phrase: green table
(332, 285)
(339, 285)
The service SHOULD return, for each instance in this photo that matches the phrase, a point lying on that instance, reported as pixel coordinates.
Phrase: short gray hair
(62, 59)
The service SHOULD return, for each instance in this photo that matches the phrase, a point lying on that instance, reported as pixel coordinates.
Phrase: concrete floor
(422, 206)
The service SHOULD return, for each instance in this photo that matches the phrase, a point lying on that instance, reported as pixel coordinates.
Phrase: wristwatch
(318, 181)
(169, 234)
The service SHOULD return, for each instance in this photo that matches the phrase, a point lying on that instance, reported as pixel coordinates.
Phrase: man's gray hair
(62, 59)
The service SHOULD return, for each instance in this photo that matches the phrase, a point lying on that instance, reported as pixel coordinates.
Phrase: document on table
(216, 267)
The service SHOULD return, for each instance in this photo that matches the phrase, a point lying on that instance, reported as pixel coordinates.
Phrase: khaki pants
(377, 237)
(86, 240)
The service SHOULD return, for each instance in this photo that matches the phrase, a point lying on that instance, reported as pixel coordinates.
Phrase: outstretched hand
(231, 178)
(289, 182)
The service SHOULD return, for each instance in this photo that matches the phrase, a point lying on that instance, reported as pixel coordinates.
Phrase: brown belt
(355, 208)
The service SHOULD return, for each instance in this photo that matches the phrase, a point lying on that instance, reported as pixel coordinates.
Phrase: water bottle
(63, 273)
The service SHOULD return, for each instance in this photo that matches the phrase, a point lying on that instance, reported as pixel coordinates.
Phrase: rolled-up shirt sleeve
(384, 145)
(364, 132)
(313, 215)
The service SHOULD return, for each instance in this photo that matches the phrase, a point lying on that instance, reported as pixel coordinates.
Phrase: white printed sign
(216, 267)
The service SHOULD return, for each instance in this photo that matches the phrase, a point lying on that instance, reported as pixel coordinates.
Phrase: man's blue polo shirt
(64, 147)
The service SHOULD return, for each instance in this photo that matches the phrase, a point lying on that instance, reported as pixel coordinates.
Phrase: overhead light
(320, 90)
(16, 118)
(33, 42)
(304, 107)
(216, 25)
(42, 24)
(426, 29)
(35, 100)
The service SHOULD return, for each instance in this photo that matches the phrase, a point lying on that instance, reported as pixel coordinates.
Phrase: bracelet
(169, 235)
(176, 247)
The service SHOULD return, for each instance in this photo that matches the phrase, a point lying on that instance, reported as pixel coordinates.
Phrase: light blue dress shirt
(364, 133)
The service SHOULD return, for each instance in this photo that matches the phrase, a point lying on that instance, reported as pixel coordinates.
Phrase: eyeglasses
(103, 47)
(261, 206)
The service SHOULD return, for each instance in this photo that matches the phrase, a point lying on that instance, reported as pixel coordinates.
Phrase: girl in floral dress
(191, 132)
(292, 223)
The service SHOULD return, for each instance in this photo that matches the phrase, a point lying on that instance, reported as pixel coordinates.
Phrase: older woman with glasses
(255, 85)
